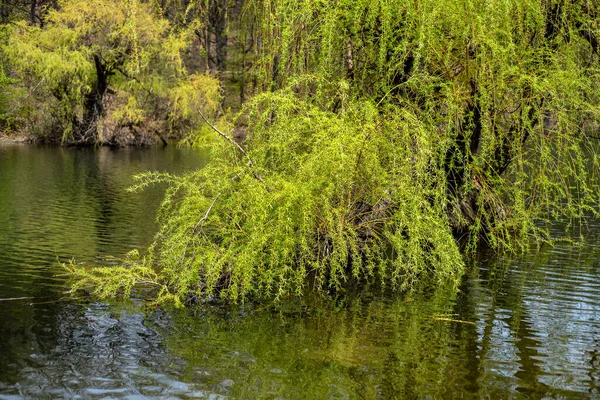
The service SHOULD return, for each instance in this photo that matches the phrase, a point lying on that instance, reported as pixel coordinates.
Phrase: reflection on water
(526, 327)
(55, 204)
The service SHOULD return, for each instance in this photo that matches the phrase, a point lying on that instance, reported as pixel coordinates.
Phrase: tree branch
(236, 144)
(205, 217)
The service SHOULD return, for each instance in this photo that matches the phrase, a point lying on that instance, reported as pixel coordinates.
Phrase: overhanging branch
(236, 144)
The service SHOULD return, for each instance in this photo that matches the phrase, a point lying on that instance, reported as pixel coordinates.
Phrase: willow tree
(109, 66)
(385, 133)
(33, 10)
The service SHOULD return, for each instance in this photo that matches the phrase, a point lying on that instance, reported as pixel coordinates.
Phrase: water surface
(523, 327)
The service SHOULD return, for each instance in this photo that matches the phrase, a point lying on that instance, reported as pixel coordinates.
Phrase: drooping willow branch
(236, 144)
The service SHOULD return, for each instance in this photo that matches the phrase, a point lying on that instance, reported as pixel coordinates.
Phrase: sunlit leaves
(386, 133)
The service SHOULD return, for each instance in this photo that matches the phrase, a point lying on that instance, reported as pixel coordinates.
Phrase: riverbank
(16, 138)
(145, 140)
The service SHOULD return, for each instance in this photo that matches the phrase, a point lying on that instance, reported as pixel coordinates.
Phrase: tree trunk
(86, 132)
(218, 21)
(4, 12)
(32, 15)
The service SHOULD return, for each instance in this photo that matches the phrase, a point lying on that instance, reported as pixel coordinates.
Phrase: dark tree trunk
(221, 46)
(591, 38)
(218, 21)
(86, 132)
(32, 15)
(207, 48)
(463, 206)
(5, 11)
(465, 145)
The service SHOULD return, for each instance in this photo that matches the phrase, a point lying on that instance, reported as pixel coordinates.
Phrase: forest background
(351, 141)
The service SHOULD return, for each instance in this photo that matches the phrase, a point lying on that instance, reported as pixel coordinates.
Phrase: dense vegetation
(104, 72)
(351, 141)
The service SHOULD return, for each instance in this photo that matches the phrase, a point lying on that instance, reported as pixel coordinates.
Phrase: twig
(236, 144)
(203, 219)
(17, 298)
(52, 301)
(14, 108)
(454, 320)
(199, 225)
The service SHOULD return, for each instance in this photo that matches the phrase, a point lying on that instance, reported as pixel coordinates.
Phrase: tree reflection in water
(524, 326)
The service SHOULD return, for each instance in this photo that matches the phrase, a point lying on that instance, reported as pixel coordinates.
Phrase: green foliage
(100, 67)
(4, 82)
(386, 133)
(134, 272)
(503, 85)
(6, 89)
(334, 190)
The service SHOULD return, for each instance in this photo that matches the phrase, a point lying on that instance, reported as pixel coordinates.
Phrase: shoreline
(14, 139)
(6, 138)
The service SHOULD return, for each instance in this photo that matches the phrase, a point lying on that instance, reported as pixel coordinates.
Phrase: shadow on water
(521, 327)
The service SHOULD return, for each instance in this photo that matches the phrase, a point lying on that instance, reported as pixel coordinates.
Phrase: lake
(519, 327)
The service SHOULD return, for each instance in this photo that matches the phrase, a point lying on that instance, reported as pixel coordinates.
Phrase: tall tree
(91, 56)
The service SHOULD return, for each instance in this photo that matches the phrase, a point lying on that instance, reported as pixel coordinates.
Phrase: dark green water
(527, 327)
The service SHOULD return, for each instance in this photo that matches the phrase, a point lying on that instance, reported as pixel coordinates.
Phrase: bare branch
(16, 298)
(233, 142)
(203, 219)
